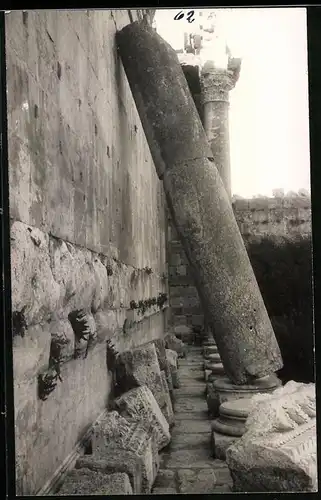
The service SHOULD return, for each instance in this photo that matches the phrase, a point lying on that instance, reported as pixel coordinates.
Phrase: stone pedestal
(227, 391)
(220, 389)
(229, 426)
(207, 343)
(199, 206)
(209, 349)
(211, 359)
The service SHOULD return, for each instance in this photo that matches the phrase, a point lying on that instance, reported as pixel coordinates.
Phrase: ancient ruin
(121, 213)
(196, 197)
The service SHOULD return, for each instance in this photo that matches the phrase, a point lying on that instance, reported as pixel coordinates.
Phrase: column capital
(216, 83)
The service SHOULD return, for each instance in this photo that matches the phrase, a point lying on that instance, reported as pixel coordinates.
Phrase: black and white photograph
(162, 305)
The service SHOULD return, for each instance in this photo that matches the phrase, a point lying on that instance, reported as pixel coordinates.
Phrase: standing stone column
(199, 205)
(216, 84)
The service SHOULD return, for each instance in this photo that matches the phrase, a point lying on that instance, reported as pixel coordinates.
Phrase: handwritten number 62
(189, 16)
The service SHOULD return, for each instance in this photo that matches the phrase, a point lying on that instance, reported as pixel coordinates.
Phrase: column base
(211, 359)
(210, 349)
(227, 391)
(208, 342)
(220, 389)
(229, 426)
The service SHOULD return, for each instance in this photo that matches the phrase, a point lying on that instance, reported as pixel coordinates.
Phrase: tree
(278, 193)
(304, 193)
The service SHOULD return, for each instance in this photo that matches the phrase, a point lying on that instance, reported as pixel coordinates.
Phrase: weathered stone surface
(175, 344)
(35, 293)
(190, 404)
(196, 481)
(232, 417)
(220, 443)
(165, 478)
(206, 224)
(223, 390)
(167, 408)
(208, 342)
(278, 450)
(177, 107)
(216, 84)
(123, 461)
(171, 357)
(211, 359)
(88, 482)
(212, 400)
(163, 364)
(164, 491)
(185, 333)
(139, 367)
(161, 354)
(198, 458)
(63, 335)
(140, 404)
(210, 349)
(113, 432)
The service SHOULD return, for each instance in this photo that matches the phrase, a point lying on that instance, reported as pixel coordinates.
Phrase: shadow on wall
(283, 268)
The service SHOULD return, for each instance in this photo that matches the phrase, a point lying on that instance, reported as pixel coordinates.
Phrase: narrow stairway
(186, 465)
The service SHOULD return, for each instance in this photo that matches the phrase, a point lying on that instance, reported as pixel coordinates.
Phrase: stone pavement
(186, 465)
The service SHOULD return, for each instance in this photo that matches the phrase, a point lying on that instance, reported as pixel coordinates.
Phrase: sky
(269, 112)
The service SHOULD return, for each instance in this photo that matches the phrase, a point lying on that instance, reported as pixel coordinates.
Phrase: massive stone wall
(87, 227)
(256, 218)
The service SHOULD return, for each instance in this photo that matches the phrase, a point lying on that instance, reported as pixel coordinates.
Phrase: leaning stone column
(199, 206)
(216, 84)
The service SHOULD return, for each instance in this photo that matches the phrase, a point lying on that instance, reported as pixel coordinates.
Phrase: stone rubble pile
(126, 441)
(260, 440)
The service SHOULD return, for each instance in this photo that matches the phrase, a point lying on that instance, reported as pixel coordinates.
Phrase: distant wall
(88, 225)
(273, 216)
(256, 218)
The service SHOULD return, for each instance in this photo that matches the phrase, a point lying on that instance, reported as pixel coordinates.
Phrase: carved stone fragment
(113, 433)
(140, 405)
(278, 450)
(88, 482)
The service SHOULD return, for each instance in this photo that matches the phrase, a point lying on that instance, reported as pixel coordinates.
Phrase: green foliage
(283, 269)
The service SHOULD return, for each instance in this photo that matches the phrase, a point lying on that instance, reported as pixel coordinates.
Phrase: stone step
(164, 491)
(190, 403)
(187, 465)
(184, 426)
(196, 458)
(196, 416)
(190, 481)
(199, 481)
(191, 441)
(166, 478)
(195, 389)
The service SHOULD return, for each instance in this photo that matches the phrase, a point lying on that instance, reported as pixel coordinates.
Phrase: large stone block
(175, 344)
(35, 293)
(139, 367)
(171, 357)
(163, 363)
(278, 450)
(123, 461)
(88, 482)
(140, 405)
(167, 408)
(113, 432)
